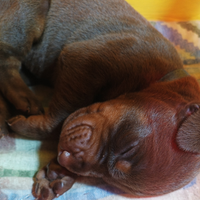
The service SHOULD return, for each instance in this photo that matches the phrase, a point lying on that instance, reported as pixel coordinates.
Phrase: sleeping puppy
(135, 111)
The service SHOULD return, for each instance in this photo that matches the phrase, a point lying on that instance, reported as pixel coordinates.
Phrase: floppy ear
(188, 136)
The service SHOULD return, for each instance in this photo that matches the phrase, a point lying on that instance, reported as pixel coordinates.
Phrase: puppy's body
(84, 23)
(88, 56)
(95, 51)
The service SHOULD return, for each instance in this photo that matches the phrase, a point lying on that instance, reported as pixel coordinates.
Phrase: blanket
(20, 158)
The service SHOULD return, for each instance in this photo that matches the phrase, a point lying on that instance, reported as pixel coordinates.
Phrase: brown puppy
(143, 135)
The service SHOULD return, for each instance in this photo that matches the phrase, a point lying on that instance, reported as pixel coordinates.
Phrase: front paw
(34, 127)
(52, 181)
(18, 124)
(23, 100)
(42, 190)
(25, 126)
(21, 97)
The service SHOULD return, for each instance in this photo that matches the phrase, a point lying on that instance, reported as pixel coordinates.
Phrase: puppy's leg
(77, 83)
(22, 24)
(52, 181)
(15, 90)
(36, 126)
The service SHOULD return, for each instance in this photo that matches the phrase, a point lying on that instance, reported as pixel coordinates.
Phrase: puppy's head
(131, 143)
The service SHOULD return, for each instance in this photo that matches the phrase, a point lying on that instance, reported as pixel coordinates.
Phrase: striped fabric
(186, 38)
(20, 158)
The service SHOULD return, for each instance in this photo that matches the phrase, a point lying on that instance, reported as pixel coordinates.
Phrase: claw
(13, 120)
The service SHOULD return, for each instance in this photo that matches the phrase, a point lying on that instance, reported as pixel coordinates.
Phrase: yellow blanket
(168, 10)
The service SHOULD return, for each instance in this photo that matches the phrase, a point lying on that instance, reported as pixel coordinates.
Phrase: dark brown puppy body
(144, 141)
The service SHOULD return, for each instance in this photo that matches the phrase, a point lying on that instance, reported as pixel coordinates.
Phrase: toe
(44, 194)
(41, 174)
(61, 186)
(15, 120)
(43, 190)
(17, 123)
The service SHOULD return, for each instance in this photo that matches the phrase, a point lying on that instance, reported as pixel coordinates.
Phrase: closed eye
(130, 150)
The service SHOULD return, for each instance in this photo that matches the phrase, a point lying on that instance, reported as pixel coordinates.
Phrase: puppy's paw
(43, 190)
(52, 181)
(25, 102)
(18, 123)
(27, 127)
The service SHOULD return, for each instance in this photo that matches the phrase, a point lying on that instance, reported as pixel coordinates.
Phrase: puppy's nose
(73, 145)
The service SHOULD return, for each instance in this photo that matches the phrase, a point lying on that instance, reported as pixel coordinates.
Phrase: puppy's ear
(188, 136)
